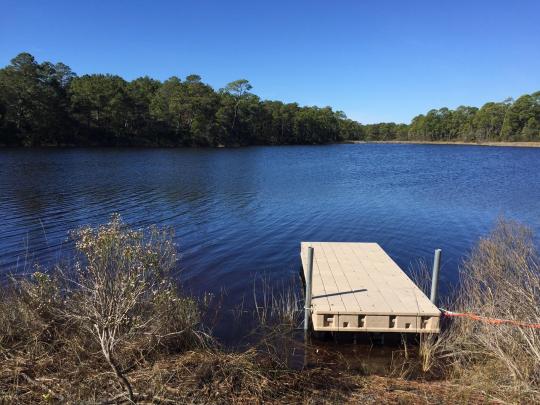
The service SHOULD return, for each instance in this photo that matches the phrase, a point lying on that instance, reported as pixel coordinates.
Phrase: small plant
(123, 291)
(119, 296)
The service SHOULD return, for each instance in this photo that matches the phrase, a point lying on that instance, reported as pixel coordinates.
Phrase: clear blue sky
(375, 60)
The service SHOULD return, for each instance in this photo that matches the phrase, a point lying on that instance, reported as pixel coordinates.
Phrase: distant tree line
(46, 104)
(509, 120)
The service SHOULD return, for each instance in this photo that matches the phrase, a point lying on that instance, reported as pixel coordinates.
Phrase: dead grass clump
(500, 279)
(216, 377)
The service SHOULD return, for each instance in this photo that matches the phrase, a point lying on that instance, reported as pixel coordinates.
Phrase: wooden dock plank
(332, 290)
(340, 278)
(366, 291)
(358, 287)
(391, 281)
(361, 264)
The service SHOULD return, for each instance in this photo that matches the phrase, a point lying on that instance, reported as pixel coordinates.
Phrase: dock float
(357, 287)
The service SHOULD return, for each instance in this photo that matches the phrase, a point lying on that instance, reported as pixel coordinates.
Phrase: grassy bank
(502, 143)
(113, 327)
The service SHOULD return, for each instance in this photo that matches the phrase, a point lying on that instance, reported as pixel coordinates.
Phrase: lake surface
(239, 213)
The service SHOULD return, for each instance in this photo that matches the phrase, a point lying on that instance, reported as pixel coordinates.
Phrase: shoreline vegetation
(113, 327)
(515, 144)
(47, 104)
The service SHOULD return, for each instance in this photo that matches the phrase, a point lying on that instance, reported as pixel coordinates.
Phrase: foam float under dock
(357, 287)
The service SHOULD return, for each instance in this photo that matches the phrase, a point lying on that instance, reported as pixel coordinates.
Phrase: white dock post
(309, 282)
(435, 276)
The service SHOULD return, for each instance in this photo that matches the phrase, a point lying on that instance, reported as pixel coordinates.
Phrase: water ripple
(238, 213)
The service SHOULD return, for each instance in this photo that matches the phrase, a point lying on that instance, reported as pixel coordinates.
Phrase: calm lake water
(240, 213)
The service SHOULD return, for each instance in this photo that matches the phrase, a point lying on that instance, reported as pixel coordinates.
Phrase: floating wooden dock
(357, 287)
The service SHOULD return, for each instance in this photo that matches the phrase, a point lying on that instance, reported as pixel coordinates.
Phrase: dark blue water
(242, 212)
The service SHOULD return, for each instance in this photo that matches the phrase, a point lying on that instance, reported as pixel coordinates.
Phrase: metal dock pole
(307, 303)
(309, 282)
(435, 276)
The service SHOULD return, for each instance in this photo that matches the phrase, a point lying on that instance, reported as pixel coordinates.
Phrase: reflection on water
(243, 212)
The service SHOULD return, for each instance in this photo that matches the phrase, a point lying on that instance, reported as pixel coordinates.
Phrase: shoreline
(517, 144)
(506, 144)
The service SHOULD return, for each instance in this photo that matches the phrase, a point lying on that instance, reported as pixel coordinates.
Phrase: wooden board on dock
(358, 287)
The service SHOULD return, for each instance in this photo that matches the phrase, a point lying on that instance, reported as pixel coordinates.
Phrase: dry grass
(248, 377)
(500, 279)
(117, 330)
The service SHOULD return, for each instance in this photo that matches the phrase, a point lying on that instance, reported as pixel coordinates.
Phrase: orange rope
(493, 321)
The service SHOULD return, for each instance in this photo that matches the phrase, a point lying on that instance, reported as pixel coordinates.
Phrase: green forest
(47, 104)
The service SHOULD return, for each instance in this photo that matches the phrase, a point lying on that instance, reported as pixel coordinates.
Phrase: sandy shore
(505, 144)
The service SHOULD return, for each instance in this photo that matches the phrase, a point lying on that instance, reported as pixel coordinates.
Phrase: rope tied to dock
(492, 321)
